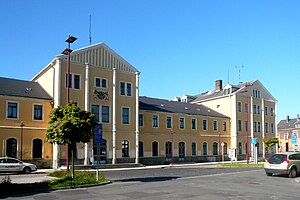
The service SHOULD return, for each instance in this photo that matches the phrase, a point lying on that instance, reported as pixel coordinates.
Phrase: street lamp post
(21, 140)
(68, 51)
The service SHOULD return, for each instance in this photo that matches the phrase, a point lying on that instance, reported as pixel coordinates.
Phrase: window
(258, 109)
(215, 148)
(266, 110)
(105, 114)
(125, 88)
(122, 88)
(204, 124)
(239, 125)
(169, 122)
(38, 112)
(168, 149)
(215, 125)
(272, 111)
(128, 89)
(256, 94)
(101, 82)
(194, 149)
(255, 127)
(125, 148)
(258, 126)
(141, 149)
(224, 126)
(286, 136)
(95, 112)
(181, 151)
(194, 124)
(254, 109)
(141, 120)
(266, 127)
(74, 81)
(155, 148)
(225, 148)
(12, 110)
(204, 149)
(125, 115)
(272, 128)
(181, 123)
(240, 106)
(154, 121)
(37, 148)
(240, 148)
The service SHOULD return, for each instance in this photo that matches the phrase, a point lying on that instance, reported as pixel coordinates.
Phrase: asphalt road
(183, 183)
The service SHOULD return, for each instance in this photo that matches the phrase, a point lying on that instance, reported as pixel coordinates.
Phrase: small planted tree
(269, 142)
(70, 125)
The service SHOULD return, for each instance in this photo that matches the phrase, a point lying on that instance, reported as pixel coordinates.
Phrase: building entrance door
(286, 147)
(100, 153)
(181, 151)
(11, 148)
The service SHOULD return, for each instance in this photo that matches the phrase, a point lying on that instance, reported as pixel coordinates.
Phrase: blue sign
(254, 140)
(98, 134)
(294, 138)
(98, 138)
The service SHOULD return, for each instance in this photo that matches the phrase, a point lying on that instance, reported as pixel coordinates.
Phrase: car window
(292, 157)
(277, 158)
(12, 161)
(2, 160)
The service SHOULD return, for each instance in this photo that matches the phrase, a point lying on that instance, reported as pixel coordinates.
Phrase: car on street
(287, 163)
(8, 164)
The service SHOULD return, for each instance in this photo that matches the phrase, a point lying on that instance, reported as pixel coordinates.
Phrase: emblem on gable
(102, 95)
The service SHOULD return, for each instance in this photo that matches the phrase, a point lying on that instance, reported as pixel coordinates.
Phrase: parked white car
(8, 164)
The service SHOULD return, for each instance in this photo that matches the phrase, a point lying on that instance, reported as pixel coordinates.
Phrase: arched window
(240, 148)
(194, 149)
(154, 148)
(11, 147)
(37, 148)
(204, 148)
(181, 150)
(215, 148)
(141, 149)
(125, 148)
(225, 148)
(168, 149)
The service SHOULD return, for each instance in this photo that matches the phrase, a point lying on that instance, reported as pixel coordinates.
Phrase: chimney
(287, 119)
(219, 86)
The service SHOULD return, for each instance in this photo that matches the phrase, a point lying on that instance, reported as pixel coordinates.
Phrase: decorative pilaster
(86, 106)
(114, 123)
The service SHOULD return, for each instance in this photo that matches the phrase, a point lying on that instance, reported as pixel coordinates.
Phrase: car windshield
(277, 159)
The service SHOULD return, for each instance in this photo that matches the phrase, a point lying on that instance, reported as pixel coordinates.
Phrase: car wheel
(293, 172)
(269, 174)
(26, 170)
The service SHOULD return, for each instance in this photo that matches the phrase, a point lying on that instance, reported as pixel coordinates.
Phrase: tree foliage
(69, 125)
(269, 142)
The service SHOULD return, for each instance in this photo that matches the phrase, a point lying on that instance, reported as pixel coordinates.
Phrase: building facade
(103, 83)
(251, 108)
(25, 106)
(181, 132)
(287, 129)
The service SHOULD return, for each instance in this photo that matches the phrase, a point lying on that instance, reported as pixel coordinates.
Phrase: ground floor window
(168, 149)
(181, 150)
(155, 148)
(240, 148)
(215, 148)
(141, 149)
(125, 148)
(37, 148)
(194, 149)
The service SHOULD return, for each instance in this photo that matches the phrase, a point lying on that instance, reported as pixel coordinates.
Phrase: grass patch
(64, 179)
(240, 165)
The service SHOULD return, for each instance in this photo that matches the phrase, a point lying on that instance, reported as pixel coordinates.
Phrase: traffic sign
(254, 140)
(294, 138)
(98, 134)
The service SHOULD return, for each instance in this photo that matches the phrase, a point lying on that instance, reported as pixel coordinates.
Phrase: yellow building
(246, 102)
(103, 83)
(178, 131)
(25, 106)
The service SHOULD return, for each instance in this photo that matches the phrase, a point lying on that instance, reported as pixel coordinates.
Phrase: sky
(179, 46)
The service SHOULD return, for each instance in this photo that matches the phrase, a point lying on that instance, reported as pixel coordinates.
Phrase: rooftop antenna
(90, 31)
(239, 70)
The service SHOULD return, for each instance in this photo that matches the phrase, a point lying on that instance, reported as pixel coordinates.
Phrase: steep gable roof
(161, 105)
(288, 124)
(100, 55)
(22, 88)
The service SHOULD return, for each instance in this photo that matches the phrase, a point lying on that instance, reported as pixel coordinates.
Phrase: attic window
(208, 110)
(162, 105)
(28, 90)
(218, 106)
(186, 108)
(198, 109)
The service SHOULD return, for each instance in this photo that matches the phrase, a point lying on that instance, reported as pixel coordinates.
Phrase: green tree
(269, 142)
(70, 125)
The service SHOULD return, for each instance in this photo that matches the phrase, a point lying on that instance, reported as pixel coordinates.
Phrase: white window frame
(167, 122)
(125, 89)
(72, 86)
(143, 119)
(18, 109)
(157, 121)
(240, 108)
(286, 136)
(224, 123)
(206, 125)
(43, 110)
(217, 125)
(181, 118)
(100, 86)
(196, 124)
(101, 114)
(129, 113)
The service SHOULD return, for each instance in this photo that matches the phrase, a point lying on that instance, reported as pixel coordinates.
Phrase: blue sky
(180, 46)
